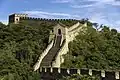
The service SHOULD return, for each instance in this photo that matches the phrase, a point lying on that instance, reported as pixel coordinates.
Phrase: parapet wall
(102, 74)
(37, 65)
(44, 19)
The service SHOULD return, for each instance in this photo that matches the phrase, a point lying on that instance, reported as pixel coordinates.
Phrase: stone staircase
(47, 60)
(59, 39)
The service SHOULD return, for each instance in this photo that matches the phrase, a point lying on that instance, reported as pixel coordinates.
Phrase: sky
(105, 12)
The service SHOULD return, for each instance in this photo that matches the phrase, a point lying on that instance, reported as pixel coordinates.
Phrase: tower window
(16, 19)
(59, 31)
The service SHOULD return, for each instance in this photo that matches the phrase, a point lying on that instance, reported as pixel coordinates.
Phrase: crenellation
(73, 71)
(78, 71)
(96, 72)
(20, 17)
(110, 75)
(55, 70)
(60, 19)
(27, 18)
(51, 69)
(30, 18)
(64, 19)
(45, 69)
(52, 19)
(102, 74)
(47, 19)
(34, 18)
(90, 72)
(38, 18)
(68, 71)
(117, 75)
(69, 19)
(40, 69)
(84, 71)
(55, 19)
(48, 69)
(44, 19)
(64, 71)
(59, 70)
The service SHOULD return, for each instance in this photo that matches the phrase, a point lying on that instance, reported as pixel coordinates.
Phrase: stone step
(47, 60)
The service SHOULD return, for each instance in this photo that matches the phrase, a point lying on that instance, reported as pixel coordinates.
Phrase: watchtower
(15, 18)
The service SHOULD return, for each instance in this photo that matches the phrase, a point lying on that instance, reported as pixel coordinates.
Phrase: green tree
(94, 49)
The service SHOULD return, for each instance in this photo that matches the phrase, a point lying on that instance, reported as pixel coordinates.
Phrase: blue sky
(101, 11)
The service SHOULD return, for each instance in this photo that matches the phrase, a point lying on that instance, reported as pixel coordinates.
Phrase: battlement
(16, 18)
(102, 74)
(45, 19)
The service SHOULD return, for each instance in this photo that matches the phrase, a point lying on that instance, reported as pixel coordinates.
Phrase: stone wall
(44, 19)
(74, 32)
(37, 65)
(68, 34)
(59, 58)
(74, 26)
(102, 74)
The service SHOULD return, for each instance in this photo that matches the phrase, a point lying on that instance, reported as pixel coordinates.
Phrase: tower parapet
(15, 18)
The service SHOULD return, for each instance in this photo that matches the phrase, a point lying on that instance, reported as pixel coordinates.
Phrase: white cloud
(62, 1)
(99, 17)
(96, 3)
(81, 6)
(110, 2)
(4, 21)
(43, 14)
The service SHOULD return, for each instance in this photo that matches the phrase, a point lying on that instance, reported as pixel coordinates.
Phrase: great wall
(16, 18)
(50, 60)
(54, 72)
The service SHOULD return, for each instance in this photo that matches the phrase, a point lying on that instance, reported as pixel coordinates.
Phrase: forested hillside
(20, 47)
(21, 44)
(97, 48)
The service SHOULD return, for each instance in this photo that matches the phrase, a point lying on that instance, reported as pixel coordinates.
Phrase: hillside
(20, 47)
(21, 44)
(96, 49)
